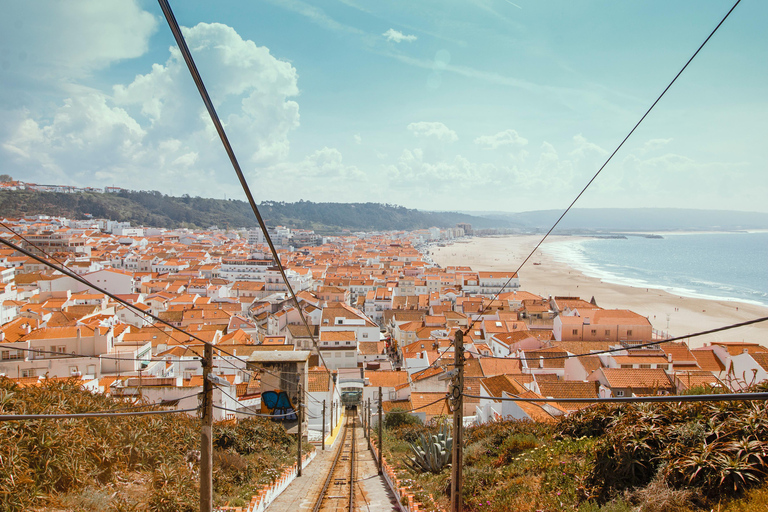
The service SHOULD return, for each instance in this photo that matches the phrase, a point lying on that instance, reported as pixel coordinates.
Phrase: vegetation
(398, 417)
(136, 463)
(151, 208)
(630, 457)
(431, 452)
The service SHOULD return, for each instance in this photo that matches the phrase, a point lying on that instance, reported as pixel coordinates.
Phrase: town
(379, 314)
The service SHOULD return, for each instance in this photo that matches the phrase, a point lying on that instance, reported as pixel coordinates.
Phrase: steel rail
(352, 467)
(331, 470)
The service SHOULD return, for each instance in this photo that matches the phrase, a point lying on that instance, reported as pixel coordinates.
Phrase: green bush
(398, 417)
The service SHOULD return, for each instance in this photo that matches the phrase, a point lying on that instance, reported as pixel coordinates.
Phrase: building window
(594, 332)
(28, 373)
(607, 332)
(619, 392)
(365, 335)
(575, 332)
(645, 366)
(629, 332)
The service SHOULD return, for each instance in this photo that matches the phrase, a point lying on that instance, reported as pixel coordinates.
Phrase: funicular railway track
(338, 491)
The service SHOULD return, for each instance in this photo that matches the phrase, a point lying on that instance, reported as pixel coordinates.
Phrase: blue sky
(441, 105)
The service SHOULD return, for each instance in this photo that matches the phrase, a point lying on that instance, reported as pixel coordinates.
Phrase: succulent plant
(431, 453)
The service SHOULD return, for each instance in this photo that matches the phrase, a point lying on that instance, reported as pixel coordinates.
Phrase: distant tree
(4, 178)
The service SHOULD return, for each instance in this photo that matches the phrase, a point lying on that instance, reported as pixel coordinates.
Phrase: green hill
(158, 210)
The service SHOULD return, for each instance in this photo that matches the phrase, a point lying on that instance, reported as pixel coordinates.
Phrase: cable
(423, 406)
(610, 157)
(25, 417)
(84, 281)
(284, 379)
(174, 26)
(648, 344)
(76, 277)
(255, 414)
(730, 397)
(72, 355)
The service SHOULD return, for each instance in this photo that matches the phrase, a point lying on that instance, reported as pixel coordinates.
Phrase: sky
(471, 105)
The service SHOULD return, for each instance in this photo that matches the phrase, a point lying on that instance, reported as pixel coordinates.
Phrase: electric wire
(67, 272)
(71, 355)
(724, 397)
(84, 281)
(255, 414)
(648, 344)
(610, 157)
(423, 406)
(179, 37)
(27, 417)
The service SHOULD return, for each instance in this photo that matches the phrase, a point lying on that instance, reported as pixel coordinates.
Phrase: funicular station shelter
(281, 372)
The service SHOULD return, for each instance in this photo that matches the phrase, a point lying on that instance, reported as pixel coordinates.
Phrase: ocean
(719, 266)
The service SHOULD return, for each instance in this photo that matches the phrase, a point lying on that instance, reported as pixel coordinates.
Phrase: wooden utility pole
(322, 439)
(368, 411)
(206, 436)
(457, 403)
(298, 431)
(381, 431)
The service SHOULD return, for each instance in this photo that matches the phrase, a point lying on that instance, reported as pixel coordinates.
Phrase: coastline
(552, 277)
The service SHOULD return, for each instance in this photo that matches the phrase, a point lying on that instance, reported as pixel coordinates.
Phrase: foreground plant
(431, 453)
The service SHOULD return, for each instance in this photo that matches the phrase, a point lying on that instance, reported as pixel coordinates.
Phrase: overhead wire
(72, 355)
(62, 265)
(84, 281)
(26, 417)
(255, 414)
(610, 157)
(67, 272)
(718, 397)
(181, 42)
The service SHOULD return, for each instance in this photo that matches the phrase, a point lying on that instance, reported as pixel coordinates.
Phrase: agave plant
(431, 453)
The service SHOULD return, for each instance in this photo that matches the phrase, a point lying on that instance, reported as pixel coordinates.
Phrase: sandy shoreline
(551, 277)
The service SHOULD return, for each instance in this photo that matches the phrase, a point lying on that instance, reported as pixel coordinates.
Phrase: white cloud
(84, 132)
(358, 139)
(433, 130)
(652, 145)
(154, 132)
(587, 150)
(505, 138)
(89, 35)
(398, 37)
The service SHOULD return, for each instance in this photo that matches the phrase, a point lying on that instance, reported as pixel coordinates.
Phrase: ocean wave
(674, 272)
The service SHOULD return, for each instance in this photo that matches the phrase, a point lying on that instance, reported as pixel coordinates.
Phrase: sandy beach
(553, 278)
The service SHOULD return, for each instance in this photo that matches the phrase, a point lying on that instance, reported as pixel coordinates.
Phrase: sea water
(729, 266)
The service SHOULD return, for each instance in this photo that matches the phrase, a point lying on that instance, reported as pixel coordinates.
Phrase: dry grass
(122, 464)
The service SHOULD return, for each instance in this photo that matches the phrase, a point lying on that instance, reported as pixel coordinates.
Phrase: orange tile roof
(707, 359)
(648, 378)
(492, 366)
(386, 378)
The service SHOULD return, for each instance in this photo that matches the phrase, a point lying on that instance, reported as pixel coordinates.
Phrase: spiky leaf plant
(431, 453)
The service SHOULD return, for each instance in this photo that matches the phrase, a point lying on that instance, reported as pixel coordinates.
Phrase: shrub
(398, 417)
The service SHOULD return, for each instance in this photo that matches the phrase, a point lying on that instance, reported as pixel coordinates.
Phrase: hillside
(681, 457)
(159, 210)
(124, 463)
